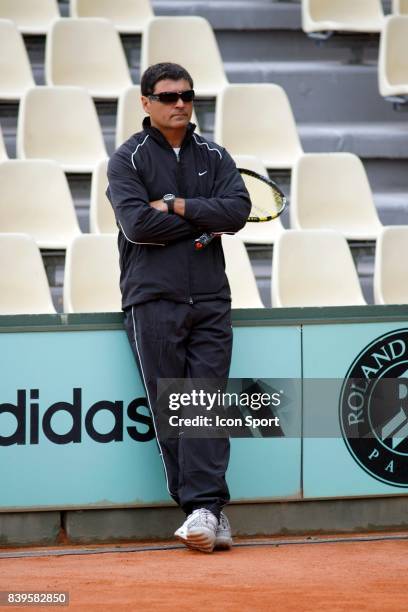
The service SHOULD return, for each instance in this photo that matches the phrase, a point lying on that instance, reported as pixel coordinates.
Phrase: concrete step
(368, 140)
(392, 207)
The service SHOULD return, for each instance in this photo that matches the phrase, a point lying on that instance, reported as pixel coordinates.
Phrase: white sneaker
(223, 538)
(199, 530)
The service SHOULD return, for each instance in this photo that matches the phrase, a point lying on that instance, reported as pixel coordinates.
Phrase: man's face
(169, 116)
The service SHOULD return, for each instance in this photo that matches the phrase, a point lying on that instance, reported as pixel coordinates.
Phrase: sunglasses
(170, 97)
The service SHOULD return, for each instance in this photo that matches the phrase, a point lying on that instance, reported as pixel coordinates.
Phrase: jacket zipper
(189, 299)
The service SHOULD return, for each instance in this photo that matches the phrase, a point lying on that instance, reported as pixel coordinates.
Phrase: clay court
(308, 574)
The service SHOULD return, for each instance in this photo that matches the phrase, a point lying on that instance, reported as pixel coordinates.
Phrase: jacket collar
(158, 136)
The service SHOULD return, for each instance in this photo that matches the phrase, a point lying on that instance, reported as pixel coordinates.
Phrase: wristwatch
(169, 199)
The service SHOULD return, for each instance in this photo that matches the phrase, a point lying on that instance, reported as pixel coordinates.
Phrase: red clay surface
(353, 576)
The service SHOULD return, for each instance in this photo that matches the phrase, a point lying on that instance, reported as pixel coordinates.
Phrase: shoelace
(203, 514)
(224, 521)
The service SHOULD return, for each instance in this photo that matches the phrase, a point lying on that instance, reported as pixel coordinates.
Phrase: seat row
(328, 191)
(131, 16)
(35, 17)
(52, 122)
(61, 123)
(306, 268)
(88, 53)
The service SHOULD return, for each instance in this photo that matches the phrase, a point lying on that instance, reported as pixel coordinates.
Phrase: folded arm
(228, 208)
(138, 220)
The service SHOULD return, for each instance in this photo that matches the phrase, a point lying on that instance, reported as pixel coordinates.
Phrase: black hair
(159, 72)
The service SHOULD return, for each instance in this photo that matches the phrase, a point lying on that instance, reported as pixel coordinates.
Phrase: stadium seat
(314, 268)
(15, 71)
(128, 16)
(390, 268)
(244, 291)
(60, 123)
(188, 41)
(91, 282)
(101, 217)
(35, 199)
(3, 152)
(342, 15)
(87, 53)
(257, 233)
(331, 191)
(23, 282)
(400, 7)
(393, 57)
(131, 114)
(269, 132)
(30, 16)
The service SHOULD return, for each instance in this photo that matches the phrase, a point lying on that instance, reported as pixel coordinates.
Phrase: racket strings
(268, 204)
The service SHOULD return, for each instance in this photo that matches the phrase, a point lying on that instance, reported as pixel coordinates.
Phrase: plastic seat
(331, 191)
(188, 41)
(393, 57)
(131, 114)
(87, 53)
(60, 123)
(91, 282)
(23, 282)
(390, 268)
(314, 268)
(128, 16)
(15, 71)
(257, 119)
(244, 290)
(101, 216)
(3, 152)
(257, 233)
(30, 16)
(342, 15)
(35, 199)
(400, 7)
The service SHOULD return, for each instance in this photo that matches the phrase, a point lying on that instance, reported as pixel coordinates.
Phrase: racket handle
(204, 240)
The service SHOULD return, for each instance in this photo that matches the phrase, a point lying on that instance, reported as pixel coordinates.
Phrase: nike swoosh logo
(201, 173)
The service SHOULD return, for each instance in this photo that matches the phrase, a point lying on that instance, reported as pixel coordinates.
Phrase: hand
(159, 205)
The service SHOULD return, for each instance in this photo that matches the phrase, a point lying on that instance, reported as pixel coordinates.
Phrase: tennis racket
(269, 209)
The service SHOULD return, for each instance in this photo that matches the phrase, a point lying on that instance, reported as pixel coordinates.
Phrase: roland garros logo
(374, 408)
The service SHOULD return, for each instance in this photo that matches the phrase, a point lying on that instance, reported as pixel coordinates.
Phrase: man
(167, 186)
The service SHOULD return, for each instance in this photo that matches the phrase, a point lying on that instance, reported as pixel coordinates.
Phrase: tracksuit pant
(176, 340)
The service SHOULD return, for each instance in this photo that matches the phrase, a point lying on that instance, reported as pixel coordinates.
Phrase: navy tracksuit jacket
(177, 300)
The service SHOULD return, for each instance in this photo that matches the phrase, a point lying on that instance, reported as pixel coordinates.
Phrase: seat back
(86, 53)
(35, 199)
(92, 274)
(101, 216)
(192, 44)
(244, 291)
(260, 193)
(390, 268)
(331, 191)
(128, 16)
(342, 15)
(270, 133)
(30, 16)
(393, 57)
(314, 268)
(15, 70)
(52, 124)
(23, 282)
(130, 115)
